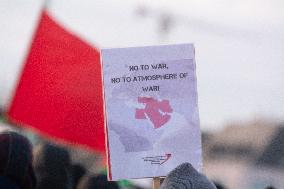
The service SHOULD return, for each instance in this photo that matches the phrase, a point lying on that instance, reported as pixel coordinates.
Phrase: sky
(239, 46)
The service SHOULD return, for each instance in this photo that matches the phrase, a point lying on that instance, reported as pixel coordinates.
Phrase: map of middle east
(156, 114)
(156, 111)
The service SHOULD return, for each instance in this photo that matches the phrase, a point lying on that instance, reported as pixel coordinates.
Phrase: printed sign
(152, 120)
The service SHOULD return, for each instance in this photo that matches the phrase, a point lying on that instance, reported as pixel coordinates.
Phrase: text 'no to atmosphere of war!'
(153, 77)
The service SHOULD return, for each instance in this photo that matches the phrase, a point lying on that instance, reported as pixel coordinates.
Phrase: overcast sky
(239, 45)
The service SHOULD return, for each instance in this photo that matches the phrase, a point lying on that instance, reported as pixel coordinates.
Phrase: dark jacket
(6, 183)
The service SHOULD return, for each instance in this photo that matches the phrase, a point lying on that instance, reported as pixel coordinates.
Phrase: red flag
(60, 89)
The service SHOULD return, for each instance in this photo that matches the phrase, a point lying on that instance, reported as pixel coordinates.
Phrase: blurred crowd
(48, 166)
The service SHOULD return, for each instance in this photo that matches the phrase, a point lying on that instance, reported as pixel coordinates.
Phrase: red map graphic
(156, 111)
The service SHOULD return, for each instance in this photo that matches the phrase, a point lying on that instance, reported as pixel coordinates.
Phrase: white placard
(152, 120)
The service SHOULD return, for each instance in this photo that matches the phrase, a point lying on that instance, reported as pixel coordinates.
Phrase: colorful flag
(59, 92)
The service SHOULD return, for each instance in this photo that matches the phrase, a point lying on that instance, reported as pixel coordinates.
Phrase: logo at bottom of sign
(157, 160)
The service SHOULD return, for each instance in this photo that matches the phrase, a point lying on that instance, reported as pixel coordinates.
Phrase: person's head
(77, 172)
(186, 177)
(16, 160)
(52, 167)
(96, 182)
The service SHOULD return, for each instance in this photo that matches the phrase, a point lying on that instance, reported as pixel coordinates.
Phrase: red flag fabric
(60, 89)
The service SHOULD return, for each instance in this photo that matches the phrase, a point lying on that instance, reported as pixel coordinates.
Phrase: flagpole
(46, 4)
(157, 181)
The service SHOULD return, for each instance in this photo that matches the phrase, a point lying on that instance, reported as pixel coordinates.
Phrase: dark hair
(16, 159)
(77, 172)
(52, 167)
